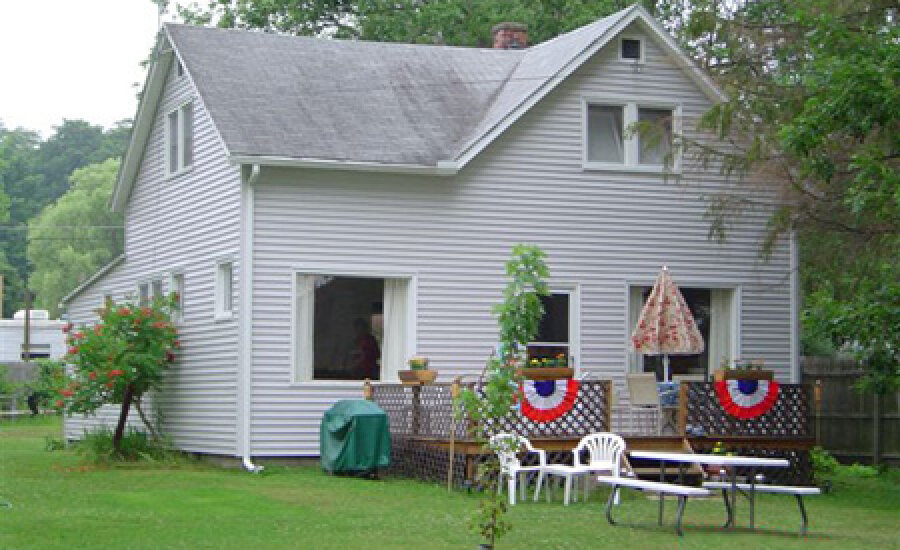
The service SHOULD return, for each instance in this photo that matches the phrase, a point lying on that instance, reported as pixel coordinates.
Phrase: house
(305, 195)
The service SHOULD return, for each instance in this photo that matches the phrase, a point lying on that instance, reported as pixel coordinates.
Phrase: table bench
(661, 488)
(749, 489)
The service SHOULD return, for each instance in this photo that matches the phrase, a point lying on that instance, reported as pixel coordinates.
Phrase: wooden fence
(845, 422)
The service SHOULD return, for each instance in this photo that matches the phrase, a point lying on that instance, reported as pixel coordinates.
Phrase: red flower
(78, 335)
(92, 375)
(67, 327)
(109, 384)
(146, 311)
(59, 403)
(170, 357)
(98, 329)
(116, 372)
(176, 343)
(73, 350)
(124, 311)
(67, 393)
(160, 324)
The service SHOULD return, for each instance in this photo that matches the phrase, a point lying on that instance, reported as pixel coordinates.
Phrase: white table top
(718, 460)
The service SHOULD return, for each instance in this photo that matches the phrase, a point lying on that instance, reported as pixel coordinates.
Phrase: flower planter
(743, 374)
(548, 373)
(417, 376)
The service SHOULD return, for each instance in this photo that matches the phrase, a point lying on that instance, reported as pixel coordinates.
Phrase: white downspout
(245, 324)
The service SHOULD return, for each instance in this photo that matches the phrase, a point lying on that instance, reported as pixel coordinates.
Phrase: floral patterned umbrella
(666, 324)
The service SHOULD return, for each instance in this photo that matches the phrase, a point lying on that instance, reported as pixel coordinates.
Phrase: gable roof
(354, 105)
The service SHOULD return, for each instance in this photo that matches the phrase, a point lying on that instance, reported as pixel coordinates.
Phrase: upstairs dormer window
(180, 138)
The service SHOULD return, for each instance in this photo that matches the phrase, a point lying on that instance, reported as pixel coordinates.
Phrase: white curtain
(394, 352)
(605, 142)
(635, 304)
(721, 326)
(305, 304)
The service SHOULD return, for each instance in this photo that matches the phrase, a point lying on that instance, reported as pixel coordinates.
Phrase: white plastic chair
(507, 447)
(643, 395)
(605, 451)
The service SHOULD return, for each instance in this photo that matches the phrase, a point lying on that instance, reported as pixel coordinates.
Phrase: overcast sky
(72, 59)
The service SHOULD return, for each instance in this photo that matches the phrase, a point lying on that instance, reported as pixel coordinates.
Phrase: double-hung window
(350, 327)
(629, 136)
(557, 335)
(180, 138)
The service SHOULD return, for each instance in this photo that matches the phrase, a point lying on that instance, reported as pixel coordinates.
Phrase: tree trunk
(123, 417)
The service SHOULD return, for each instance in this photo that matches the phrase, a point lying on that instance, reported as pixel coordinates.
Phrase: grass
(60, 501)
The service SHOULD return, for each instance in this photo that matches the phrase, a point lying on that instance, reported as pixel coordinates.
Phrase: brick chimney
(510, 36)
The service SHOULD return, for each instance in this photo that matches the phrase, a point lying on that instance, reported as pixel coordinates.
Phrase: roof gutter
(245, 321)
(441, 168)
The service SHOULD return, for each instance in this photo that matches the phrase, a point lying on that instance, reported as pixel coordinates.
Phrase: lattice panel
(789, 417)
(800, 472)
(427, 411)
(417, 460)
(588, 415)
(423, 411)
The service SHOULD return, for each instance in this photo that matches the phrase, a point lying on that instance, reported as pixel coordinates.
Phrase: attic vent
(631, 49)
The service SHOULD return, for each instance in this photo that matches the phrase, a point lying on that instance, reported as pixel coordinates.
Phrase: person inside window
(366, 353)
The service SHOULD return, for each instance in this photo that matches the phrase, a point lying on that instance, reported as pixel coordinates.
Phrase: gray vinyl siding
(183, 223)
(602, 230)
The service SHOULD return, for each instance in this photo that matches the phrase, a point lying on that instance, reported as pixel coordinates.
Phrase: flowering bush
(118, 359)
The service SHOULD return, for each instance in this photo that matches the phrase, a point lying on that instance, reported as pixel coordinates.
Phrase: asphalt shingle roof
(355, 101)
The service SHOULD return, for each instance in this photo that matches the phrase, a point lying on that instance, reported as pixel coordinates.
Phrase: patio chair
(643, 395)
(507, 447)
(605, 452)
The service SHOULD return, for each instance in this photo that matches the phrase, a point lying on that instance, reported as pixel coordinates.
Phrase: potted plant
(548, 368)
(418, 372)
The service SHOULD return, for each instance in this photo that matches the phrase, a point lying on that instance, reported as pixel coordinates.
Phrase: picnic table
(728, 463)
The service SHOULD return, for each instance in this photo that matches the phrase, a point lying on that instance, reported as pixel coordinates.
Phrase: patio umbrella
(666, 325)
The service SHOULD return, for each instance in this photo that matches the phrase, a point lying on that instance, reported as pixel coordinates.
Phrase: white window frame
(157, 284)
(220, 313)
(634, 362)
(342, 271)
(628, 60)
(631, 143)
(180, 166)
(574, 292)
(178, 315)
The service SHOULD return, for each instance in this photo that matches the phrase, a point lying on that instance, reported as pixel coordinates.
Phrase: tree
(118, 360)
(34, 173)
(76, 235)
(452, 22)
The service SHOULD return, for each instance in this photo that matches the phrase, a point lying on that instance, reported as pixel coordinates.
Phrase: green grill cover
(354, 437)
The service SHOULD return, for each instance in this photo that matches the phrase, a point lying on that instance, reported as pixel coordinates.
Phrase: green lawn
(59, 501)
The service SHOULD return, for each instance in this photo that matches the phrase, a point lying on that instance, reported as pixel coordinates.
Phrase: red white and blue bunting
(547, 400)
(747, 398)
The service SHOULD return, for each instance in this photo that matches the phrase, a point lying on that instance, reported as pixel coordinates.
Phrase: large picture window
(350, 328)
